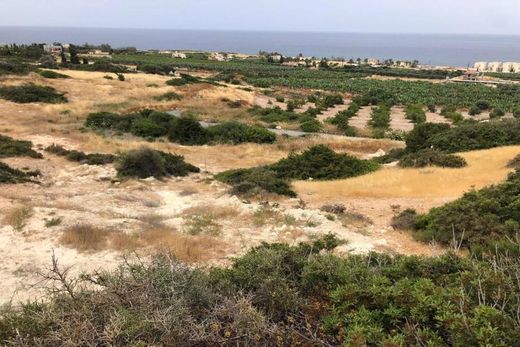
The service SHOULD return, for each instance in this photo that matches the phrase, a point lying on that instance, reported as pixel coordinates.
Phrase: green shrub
(311, 126)
(516, 112)
(483, 105)
(188, 131)
(431, 157)
(318, 162)
(15, 68)
(380, 117)
(455, 117)
(235, 133)
(169, 96)
(415, 113)
(52, 74)
(147, 128)
(9, 175)
(121, 77)
(280, 295)
(497, 113)
(28, 93)
(432, 108)
(474, 110)
(404, 220)
(419, 137)
(10, 147)
(478, 218)
(146, 162)
(183, 80)
(280, 99)
(89, 159)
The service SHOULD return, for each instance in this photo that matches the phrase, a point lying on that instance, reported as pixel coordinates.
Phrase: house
(53, 49)
(471, 75)
(481, 66)
(217, 56)
(495, 66)
(180, 55)
(275, 58)
(373, 61)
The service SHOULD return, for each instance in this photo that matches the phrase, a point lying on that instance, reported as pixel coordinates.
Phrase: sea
(430, 49)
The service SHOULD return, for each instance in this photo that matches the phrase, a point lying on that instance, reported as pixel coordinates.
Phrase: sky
(373, 16)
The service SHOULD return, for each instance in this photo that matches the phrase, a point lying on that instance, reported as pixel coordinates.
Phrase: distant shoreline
(457, 50)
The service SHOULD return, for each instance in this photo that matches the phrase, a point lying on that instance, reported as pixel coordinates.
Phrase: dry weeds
(85, 237)
(18, 217)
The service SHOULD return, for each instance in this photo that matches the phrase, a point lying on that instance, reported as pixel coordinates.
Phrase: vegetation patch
(168, 96)
(415, 113)
(52, 74)
(146, 162)
(12, 176)
(32, 93)
(89, 159)
(486, 219)
(431, 157)
(185, 79)
(318, 162)
(10, 147)
(280, 295)
(185, 130)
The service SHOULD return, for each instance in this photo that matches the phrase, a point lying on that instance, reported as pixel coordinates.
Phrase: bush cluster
(168, 96)
(10, 147)
(380, 118)
(146, 162)
(15, 67)
(52, 74)
(318, 162)
(342, 118)
(182, 81)
(415, 113)
(431, 157)
(488, 218)
(32, 93)
(278, 295)
(185, 130)
(9, 175)
(81, 157)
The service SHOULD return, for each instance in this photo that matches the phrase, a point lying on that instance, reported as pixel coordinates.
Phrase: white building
(495, 66)
(179, 55)
(507, 67)
(481, 66)
(516, 67)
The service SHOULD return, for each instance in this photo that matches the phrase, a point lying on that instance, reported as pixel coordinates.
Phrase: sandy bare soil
(193, 217)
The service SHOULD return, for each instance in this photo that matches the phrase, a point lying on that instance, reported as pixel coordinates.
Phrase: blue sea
(454, 50)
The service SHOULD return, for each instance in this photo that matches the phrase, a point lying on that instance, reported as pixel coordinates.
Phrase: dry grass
(85, 237)
(204, 220)
(269, 216)
(18, 217)
(484, 168)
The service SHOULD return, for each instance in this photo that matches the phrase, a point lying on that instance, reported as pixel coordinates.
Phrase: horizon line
(259, 31)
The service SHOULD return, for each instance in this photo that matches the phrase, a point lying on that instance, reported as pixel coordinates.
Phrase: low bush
(474, 110)
(278, 295)
(415, 113)
(497, 113)
(52, 74)
(28, 93)
(404, 220)
(183, 80)
(235, 133)
(146, 162)
(15, 68)
(11, 176)
(483, 105)
(380, 117)
(478, 219)
(188, 131)
(169, 96)
(10, 147)
(431, 157)
(311, 126)
(318, 162)
(89, 159)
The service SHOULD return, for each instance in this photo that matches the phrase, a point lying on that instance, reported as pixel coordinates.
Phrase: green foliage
(11, 176)
(380, 117)
(188, 131)
(415, 113)
(342, 118)
(474, 110)
(479, 218)
(404, 220)
(10, 147)
(318, 162)
(52, 74)
(431, 157)
(311, 126)
(121, 77)
(15, 67)
(278, 295)
(483, 105)
(146, 162)
(419, 137)
(168, 96)
(496, 113)
(235, 133)
(183, 80)
(89, 159)
(28, 93)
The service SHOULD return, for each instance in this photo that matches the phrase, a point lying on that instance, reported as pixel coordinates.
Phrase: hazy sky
(396, 16)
